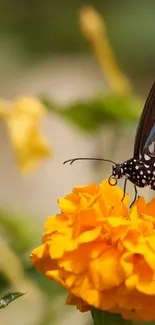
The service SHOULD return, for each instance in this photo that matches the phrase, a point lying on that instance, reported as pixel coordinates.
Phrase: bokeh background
(44, 53)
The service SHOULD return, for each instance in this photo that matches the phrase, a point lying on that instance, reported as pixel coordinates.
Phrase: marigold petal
(89, 218)
(73, 262)
(56, 222)
(55, 226)
(39, 252)
(147, 287)
(57, 276)
(134, 215)
(151, 242)
(59, 245)
(150, 208)
(101, 300)
(41, 258)
(131, 282)
(116, 222)
(67, 206)
(89, 236)
(149, 257)
(90, 190)
(140, 204)
(102, 280)
(119, 209)
(50, 223)
(127, 263)
(114, 195)
(78, 302)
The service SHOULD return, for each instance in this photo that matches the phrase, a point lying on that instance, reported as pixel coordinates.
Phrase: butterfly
(140, 170)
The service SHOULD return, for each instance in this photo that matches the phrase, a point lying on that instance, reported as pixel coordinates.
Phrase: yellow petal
(67, 206)
(22, 121)
(106, 271)
(147, 287)
(89, 236)
(28, 106)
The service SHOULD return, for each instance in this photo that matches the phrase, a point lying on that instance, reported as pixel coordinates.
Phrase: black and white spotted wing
(140, 169)
(145, 135)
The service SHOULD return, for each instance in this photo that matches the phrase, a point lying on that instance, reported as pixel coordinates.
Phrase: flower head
(102, 252)
(22, 119)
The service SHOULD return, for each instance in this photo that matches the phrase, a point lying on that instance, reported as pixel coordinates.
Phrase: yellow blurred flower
(102, 252)
(93, 27)
(22, 119)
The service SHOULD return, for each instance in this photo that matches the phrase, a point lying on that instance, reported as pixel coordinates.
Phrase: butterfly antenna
(71, 161)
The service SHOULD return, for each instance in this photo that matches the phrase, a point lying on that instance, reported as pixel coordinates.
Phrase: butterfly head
(117, 173)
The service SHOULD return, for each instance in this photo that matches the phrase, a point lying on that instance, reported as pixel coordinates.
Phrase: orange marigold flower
(102, 252)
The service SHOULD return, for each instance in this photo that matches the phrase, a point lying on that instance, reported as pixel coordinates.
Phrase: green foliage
(35, 27)
(92, 114)
(50, 288)
(22, 234)
(19, 237)
(106, 318)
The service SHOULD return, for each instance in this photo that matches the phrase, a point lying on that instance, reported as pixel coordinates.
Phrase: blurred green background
(43, 53)
(41, 29)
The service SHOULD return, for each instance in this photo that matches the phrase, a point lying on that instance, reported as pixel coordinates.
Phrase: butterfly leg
(135, 197)
(152, 187)
(124, 190)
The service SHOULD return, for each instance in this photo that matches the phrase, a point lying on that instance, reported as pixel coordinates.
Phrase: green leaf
(122, 108)
(93, 114)
(9, 297)
(106, 318)
(87, 116)
(51, 288)
(48, 103)
(19, 229)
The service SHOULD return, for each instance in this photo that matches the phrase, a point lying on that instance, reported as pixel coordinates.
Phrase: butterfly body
(135, 171)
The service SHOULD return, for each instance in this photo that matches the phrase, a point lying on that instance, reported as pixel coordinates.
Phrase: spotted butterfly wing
(144, 147)
(140, 169)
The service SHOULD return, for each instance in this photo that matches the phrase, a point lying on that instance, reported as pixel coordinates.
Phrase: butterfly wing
(146, 127)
